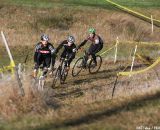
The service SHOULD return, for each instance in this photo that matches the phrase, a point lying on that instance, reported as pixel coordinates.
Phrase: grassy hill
(96, 3)
(84, 102)
(24, 24)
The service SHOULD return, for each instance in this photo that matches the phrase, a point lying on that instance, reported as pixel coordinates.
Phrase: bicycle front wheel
(64, 74)
(94, 67)
(77, 67)
(56, 77)
(41, 83)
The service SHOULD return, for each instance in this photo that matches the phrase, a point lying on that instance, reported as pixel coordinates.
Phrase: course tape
(143, 59)
(6, 68)
(142, 43)
(139, 15)
(107, 50)
(140, 71)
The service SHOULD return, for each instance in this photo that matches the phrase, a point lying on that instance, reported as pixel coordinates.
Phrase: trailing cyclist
(95, 47)
(69, 50)
(44, 55)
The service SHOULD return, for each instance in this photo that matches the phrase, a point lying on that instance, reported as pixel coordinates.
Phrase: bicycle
(61, 72)
(40, 80)
(81, 64)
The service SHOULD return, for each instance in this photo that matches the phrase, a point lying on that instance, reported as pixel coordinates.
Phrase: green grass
(127, 114)
(92, 3)
(99, 115)
(53, 3)
(139, 3)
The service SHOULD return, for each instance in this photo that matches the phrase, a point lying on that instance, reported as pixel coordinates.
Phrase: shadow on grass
(105, 74)
(67, 90)
(76, 92)
(70, 90)
(131, 105)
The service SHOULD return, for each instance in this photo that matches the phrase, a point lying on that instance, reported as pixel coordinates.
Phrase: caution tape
(107, 50)
(143, 59)
(140, 71)
(148, 19)
(142, 43)
(6, 68)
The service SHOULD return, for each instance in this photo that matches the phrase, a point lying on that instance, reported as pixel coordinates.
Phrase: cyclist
(69, 50)
(95, 47)
(44, 54)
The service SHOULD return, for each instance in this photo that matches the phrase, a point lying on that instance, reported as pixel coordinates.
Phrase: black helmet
(44, 37)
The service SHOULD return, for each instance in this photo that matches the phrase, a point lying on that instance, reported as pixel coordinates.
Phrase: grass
(93, 3)
(32, 23)
(60, 21)
(53, 3)
(116, 114)
(139, 3)
(85, 101)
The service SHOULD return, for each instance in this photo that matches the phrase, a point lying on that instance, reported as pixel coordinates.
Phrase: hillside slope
(84, 102)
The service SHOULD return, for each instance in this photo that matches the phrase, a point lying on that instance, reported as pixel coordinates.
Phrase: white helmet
(45, 37)
(71, 39)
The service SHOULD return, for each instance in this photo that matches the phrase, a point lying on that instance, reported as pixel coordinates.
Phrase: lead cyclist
(95, 47)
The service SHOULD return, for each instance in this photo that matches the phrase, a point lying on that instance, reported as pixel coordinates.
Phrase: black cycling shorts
(94, 48)
(45, 60)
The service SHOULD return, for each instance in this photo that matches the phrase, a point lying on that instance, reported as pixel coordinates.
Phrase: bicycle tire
(74, 73)
(56, 77)
(64, 75)
(41, 83)
(91, 64)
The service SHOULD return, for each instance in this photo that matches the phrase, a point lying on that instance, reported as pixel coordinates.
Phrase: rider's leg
(91, 51)
(98, 47)
(95, 49)
(37, 64)
(46, 65)
(35, 71)
(71, 57)
(63, 55)
(94, 58)
(87, 54)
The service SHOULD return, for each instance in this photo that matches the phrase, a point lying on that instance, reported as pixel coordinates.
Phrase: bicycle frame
(81, 64)
(60, 73)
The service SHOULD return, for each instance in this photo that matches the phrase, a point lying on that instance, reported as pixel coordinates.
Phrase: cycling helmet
(92, 30)
(45, 37)
(71, 39)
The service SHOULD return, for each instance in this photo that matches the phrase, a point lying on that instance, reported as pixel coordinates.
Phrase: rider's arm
(82, 44)
(59, 47)
(35, 56)
(52, 49)
(36, 52)
(74, 48)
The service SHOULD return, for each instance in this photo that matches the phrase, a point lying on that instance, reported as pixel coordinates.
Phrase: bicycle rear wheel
(93, 67)
(77, 67)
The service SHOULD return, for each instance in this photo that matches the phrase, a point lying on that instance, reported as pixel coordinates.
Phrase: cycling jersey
(68, 50)
(95, 47)
(43, 54)
(95, 40)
